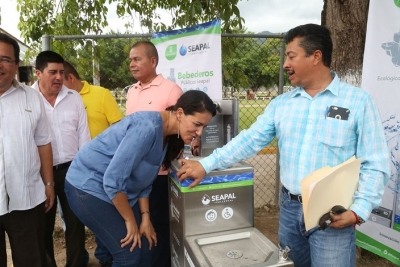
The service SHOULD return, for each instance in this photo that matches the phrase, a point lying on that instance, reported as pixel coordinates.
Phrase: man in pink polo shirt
(153, 92)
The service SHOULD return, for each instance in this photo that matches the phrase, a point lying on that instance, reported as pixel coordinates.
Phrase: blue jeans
(101, 252)
(328, 248)
(106, 223)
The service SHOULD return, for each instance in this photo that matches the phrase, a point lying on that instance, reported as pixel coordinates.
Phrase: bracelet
(359, 220)
(49, 183)
(144, 212)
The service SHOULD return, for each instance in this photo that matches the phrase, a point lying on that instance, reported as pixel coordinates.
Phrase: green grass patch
(248, 115)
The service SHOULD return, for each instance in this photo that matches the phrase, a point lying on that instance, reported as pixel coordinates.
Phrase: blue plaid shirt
(308, 140)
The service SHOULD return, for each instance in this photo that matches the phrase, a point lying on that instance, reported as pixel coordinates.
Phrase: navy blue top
(124, 158)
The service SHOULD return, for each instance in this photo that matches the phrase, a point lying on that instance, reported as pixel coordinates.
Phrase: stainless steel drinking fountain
(212, 224)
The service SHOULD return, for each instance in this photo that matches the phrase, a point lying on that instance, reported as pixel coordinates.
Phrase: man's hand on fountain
(191, 169)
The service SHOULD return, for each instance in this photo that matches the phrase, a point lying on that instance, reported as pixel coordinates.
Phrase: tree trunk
(347, 21)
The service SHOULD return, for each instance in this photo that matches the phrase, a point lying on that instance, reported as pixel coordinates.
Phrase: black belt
(297, 198)
(61, 166)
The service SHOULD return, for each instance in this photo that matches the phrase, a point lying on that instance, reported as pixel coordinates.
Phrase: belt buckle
(300, 199)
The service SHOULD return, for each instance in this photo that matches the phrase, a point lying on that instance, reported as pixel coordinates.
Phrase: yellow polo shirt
(101, 108)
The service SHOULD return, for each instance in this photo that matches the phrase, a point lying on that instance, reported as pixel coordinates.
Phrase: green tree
(107, 57)
(62, 17)
(113, 62)
(250, 62)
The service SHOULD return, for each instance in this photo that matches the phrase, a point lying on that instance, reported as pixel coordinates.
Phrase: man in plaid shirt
(310, 137)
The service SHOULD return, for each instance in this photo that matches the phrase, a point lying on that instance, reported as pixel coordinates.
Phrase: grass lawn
(249, 110)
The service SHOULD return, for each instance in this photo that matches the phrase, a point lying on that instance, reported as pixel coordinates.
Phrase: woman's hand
(132, 232)
(146, 229)
(132, 235)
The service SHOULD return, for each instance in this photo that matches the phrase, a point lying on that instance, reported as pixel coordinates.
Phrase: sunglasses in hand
(326, 219)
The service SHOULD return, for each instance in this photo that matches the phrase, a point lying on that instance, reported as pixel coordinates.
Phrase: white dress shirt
(23, 127)
(68, 121)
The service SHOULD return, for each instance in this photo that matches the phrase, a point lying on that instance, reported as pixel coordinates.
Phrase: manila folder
(327, 187)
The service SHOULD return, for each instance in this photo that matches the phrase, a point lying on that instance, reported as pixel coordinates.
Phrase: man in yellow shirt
(101, 108)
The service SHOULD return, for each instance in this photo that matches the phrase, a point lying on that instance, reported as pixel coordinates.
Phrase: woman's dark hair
(191, 102)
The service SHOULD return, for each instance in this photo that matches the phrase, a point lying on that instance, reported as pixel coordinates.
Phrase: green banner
(368, 243)
(159, 40)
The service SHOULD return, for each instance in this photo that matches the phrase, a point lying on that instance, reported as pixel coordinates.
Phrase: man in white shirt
(68, 119)
(26, 175)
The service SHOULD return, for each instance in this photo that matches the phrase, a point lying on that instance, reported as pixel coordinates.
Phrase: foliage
(105, 59)
(114, 64)
(250, 62)
(69, 17)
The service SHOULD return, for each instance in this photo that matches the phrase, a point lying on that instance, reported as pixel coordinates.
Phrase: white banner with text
(381, 78)
(191, 57)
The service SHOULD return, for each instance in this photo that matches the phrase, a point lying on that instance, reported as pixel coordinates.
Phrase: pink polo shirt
(156, 96)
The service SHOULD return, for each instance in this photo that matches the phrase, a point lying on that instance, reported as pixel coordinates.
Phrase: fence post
(96, 66)
(46, 42)
(280, 91)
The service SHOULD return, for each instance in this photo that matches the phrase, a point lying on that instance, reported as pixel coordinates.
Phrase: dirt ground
(265, 220)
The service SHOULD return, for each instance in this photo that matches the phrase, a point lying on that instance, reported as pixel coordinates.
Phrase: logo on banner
(195, 49)
(199, 47)
(397, 3)
(393, 49)
(170, 52)
(183, 50)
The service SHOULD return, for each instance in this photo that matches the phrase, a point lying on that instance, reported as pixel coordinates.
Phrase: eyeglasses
(326, 219)
(7, 60)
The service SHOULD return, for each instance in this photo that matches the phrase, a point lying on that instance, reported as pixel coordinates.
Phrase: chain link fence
(252, 72)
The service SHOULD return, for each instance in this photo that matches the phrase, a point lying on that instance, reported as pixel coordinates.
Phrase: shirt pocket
(336, 133)
(69, 121)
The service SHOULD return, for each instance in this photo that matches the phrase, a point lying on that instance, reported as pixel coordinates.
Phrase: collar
(85, 89)
(332, 87)
(63, 92)
(14, 86)
(155, 82)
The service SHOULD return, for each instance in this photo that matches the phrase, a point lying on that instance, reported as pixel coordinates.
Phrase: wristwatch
(360, 220)
(50, 183)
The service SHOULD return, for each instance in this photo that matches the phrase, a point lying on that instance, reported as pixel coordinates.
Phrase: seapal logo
(183, 50)
(223, 198)
(205, 200)
(198, 47)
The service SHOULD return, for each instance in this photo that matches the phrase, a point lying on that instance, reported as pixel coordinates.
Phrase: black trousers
(74, 232)
(25, 230)
(159, 206)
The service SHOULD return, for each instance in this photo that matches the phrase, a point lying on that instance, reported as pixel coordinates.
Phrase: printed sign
(381, 78)
(191, 57)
